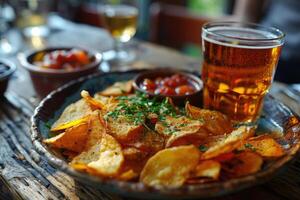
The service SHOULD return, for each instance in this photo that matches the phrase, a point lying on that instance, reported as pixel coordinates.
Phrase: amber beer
(120, 21)
(238, 69)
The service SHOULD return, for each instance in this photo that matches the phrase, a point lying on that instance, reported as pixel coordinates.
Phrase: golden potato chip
(214, 121)
(118, 89)
(181, 131)
(148, 142)
(73, 138)
(264, 145)
(243, 164)
(103, 99)
(93, 102)
(170, 167)
(73, 112)
(124, 130)
(208, 169)
(80, 166)
(96, 130)
(132, 153)
(70, 124)
(228, 143)
(105, 157)
(128, 175)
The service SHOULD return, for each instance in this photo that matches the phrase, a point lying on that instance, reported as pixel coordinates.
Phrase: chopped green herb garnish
(250, 146)
(203, 148)
(139, 107)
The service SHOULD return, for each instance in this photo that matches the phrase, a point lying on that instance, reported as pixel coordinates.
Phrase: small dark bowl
(5, 76)
(194, 98)
(46, 80)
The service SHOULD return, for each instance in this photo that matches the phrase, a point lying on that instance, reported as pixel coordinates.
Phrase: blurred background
(172, 23)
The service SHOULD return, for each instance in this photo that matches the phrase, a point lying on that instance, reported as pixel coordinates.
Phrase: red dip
(176, 84)
(63, 59)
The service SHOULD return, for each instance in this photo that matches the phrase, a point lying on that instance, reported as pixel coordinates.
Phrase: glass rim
(279, 35)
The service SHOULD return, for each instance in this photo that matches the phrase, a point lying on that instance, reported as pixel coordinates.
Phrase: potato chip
(224, 157)
(128, 175)
(105, 157)
(181, 131)
(96, 130)
(208, 169)
(73, 138)
(243, 164)
(264, 145)
(69, 154)
(170, 167)
(118, 89)
(149, 142)
(93, 102)
(214, 121)
(80, 166)
(73, 112)
(228, 143)
(71, 124)
(132, 153)
(124, 130)
(103, 99)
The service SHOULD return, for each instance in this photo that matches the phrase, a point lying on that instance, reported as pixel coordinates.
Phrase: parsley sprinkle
(249, 146)
(203, 148)
(138, 108)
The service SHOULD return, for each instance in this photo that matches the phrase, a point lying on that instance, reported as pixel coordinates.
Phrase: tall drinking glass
(32, 20)
(120, 18)
(239, 65)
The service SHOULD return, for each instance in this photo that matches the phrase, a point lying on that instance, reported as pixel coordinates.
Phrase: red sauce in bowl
(176, 84)
(63, 59)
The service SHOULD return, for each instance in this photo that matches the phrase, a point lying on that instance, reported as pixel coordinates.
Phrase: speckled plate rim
(138, 190)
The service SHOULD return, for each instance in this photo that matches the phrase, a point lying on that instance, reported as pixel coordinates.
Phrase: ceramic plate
(275, 117)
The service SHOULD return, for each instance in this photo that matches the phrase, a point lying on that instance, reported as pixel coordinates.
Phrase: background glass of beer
(32, 21)
(239, 64)
(120, 18)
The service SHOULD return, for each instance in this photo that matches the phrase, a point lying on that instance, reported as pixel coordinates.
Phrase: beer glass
(239, 65)
(32, 21)
(120, 19)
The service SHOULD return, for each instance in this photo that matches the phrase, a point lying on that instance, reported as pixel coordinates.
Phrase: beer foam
(239, 37)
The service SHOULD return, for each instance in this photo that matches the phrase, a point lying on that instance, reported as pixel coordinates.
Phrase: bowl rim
(131, 189)
(11, 69)
(23, 58)
(167, 70)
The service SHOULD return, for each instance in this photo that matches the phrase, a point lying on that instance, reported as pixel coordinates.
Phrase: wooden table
(26, 175)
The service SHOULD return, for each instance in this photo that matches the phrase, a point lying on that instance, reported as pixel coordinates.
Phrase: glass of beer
(32, 21)
(120, 19)
(239, 65)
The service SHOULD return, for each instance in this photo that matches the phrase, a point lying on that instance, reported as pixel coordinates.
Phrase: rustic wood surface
(27, 175)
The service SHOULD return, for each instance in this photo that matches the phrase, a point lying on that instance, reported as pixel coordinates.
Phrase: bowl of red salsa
(180, 86)
(50, 68)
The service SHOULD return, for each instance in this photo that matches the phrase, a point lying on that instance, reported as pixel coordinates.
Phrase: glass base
(114, 60)
(119, 56)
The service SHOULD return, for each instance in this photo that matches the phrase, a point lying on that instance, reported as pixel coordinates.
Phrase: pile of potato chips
(200, 146)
